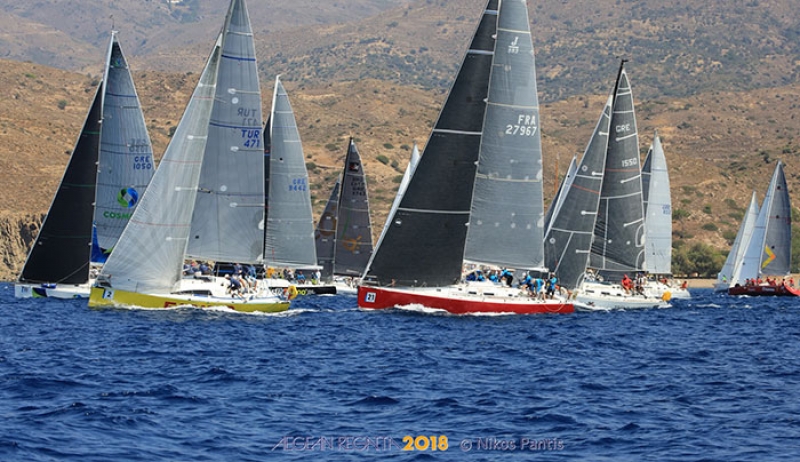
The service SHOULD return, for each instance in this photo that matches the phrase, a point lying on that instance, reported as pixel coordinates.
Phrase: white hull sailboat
(463, 200)
(617, 249)
(196, 205)
(109, 169)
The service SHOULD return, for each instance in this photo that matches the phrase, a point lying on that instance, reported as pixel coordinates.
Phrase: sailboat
(733, 264)
(476, 194)
(289, 229)
(617, 249)
(344, 232)
(568, 239)
(767, 254)
(199, 202)
(658, 224)
(109, 170)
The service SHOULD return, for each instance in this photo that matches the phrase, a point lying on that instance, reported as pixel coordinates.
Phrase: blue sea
(711, 379)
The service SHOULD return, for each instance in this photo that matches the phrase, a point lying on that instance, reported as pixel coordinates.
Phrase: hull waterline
(60, 291)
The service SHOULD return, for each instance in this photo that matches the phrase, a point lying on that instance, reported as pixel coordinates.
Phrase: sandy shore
(700, 283)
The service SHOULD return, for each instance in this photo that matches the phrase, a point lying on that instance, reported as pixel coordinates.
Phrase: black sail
(569, 238)
(353, 246)
(325, 234)
(62, 249)
(618, 246)
(424, 243)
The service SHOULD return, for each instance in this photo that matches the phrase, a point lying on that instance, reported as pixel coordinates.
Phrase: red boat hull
(380, 298)
(774, 291)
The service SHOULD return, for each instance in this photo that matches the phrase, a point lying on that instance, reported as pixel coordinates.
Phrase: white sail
(229, 212)
(768, 251)
(658, 214)
(149, 255)
(733, 264)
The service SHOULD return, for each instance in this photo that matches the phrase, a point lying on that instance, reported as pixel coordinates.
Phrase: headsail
(289, 238)
(658, 211)
(126, 162)
(731, 270)
(507, 216)
(150, 252)
(424, 244)
(569, 239)
(618, 245)
(229, 212)
(558, 200)
(401, 190)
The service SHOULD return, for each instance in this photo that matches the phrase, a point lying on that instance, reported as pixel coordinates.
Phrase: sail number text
(525, 126)
(142, 163)
(139, 145)
(298, 184)
(251, 137)
(630, 162)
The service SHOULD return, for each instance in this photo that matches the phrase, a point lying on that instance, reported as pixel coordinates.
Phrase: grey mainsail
(424, 243)
(289, 240)
(569, 239)
(658, 210)
(353, 246)
(507, 215)
(125, 164)
(149, 254)
(770, 248)
(229, 211)
(618, 245)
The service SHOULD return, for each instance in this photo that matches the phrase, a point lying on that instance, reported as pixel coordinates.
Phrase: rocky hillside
(679, 48)
(720, 145)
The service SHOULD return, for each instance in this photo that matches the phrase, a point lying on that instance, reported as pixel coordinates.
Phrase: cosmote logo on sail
(126, 197)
